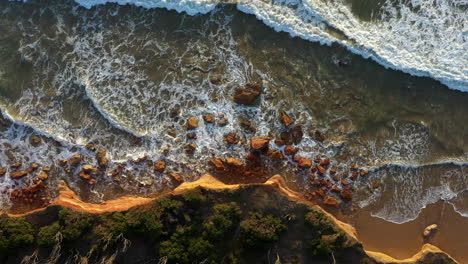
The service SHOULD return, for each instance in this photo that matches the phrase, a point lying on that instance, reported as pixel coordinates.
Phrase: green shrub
(194, 197)
(74, 224)
(48, 234)
(112, 226)
(15, 233)
(223, 220)
(146, 223)
(258, 229)
(321, 224)
(168, 205)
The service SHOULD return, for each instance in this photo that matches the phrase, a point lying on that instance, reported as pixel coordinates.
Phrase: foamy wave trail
(419, 37)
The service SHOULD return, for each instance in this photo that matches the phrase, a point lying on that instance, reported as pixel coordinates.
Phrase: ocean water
(383, 81)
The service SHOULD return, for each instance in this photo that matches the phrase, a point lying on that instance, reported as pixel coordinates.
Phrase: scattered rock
(319, 136)
(286, 137)
(279, 142)
(276, 155)
(248, 94)
(354, 167)
(304, 163)
(192, 135)
(209, 118)
(317, 159)
(46, 169)
(192, 123)
(176, 177)
(325, 163)
(232, 162)
(296, 134)
(3, 171)
(364, 172)
(63, 162)
(35, 166)
(286, 119)
(218, 164)
(321, 170)
(101, 157)
(331, 201)
(190, 148)
(75, 160)
(336, 189)
(216, 80)
(18, 174)
(346, 195)
(91, 147)
(290, 150)
(345, 182)
(354, 175)
(88, 168)
(16, 165)
(430, 230)
(84, 175)
(160, 166)
(35, 140)
(172, 133)
(332, 171)
(223, 122)
(232, 138)
(42, 176)
(259, 143)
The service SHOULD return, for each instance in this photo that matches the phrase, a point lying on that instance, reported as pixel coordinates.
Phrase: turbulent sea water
(111, 74)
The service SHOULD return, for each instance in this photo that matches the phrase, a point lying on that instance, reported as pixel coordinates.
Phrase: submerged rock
(209, 118)
(232, 138)
(297, 134)
(3, 171)
(35, 140)
(160, 166)
(290, 150)
(42, 175)
(101, 157)
(304, 163)
(75, 160)
(346, 194)
(176, 177)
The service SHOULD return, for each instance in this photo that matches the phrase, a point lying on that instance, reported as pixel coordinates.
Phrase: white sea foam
(422, 38)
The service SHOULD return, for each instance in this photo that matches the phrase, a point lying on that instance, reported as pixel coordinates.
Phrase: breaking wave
(422, 38)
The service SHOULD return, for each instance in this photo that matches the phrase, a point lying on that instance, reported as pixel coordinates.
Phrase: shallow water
(113, 74)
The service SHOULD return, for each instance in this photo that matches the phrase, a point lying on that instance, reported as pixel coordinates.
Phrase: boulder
(218, 164)
(304, 163)
(160, 166)
(209, 118)
(232, 138)
(192, 123)
(290, 150)
(286, 119)
(430, 230)
(42, 176)
(176, 177)
(35, 140)
(75, 160)
(101, 157)
(331, 201)
(248, 94)
(346, 194)
(259, 143)
(296, 134)
(18, 174)
(234, 162)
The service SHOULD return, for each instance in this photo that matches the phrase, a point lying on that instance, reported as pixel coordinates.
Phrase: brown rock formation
(248, 94)
(259, 143)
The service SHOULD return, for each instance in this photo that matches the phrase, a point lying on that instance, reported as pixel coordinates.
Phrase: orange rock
(364, 172)
(290, 150)
(232, 138)
(248, 95)
(296, 158)
(320, 192)
(63, 162)
(344, 182)
(332, 171)
(317, 159)
(101, 157)
(336, 189)
(259, 143)
(209, 118)
(218, 164)
(279, 142)
(346, 195)
(176, 177)
(192, 123)
(354, 175)
(74, 160)
(354, 167)
(34, 166)
(160, 166)
(276, 155)
(190, 148)
(286, 119)
(331, 201)
(18, 174)
(84, 175)
(314, 169)
(42, 175)
(321, 170)
(234, 162)
(3, 171)
(16, 165)
(192, 135)
(325, 163)
(304, 163)
(223, 122)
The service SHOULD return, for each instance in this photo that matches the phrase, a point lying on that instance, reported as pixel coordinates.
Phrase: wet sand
(404, 240)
